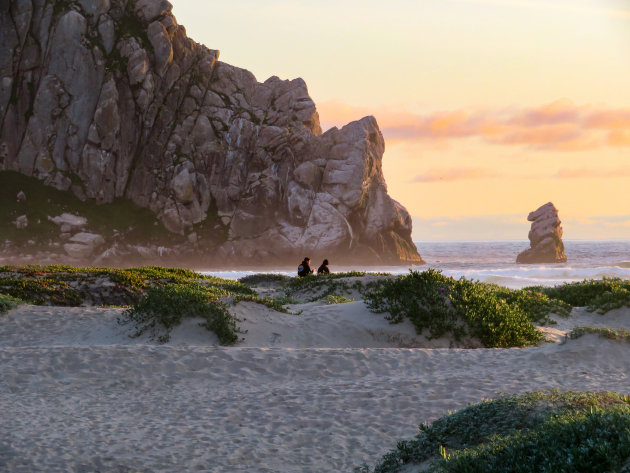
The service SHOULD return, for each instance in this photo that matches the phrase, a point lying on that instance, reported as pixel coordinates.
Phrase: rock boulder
(545, 237)
(110, 99)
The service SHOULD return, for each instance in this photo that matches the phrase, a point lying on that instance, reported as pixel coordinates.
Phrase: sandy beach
(328, 390)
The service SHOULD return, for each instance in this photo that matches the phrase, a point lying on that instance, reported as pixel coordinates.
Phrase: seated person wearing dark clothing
(304, 269)
(323, 269)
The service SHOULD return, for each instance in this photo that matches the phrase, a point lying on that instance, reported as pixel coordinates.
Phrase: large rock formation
(110, 99)
(545, 237)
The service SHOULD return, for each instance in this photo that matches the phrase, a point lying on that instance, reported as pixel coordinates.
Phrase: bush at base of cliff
(165, 307)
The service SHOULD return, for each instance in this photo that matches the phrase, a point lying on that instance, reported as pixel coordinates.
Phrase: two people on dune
(304, 269)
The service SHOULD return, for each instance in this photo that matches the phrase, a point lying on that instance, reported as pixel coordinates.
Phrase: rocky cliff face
(545, 237)
(110, 99)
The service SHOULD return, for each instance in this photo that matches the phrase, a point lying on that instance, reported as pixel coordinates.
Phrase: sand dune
(77, 394)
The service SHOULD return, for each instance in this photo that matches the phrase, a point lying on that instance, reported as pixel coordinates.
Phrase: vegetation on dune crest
(160, 297)
(438, 305)
(499, 317)
(545, 431)
(596, 295)
(164, 308)
(605, 332)
(71, 286)
(7, 303)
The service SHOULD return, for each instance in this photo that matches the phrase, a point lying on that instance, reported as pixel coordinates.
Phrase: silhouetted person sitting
(304, 269)
(323, 269)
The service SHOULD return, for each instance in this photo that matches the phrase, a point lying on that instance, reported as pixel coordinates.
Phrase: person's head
(325, 263)
(307, 259)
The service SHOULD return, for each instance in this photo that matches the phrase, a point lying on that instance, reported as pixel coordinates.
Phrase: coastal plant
(336, 299)
(256, 279)
(72, 286)
(164, 307)
(321, 286)
(7, 303)
(596, 295)
(609, 333)
(438, 305)
(544, 431)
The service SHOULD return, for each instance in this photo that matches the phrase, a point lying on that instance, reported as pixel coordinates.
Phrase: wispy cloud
(454, 174)
(559, 126)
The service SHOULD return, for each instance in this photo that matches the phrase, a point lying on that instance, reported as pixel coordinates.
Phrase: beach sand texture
(324, 391)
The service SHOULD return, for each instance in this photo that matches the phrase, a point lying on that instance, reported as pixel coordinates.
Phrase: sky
(489, 108)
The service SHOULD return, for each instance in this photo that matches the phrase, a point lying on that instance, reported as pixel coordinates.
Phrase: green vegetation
(497, 316)
(160, 297)
(7, 303)
(263, 278)
(130, 26)
(333, 299)
(605, 332)
(133, 224)
(165, 307)
(440, 305)
(542, 431)
(596, 295)
(70, 286)
(314, 288)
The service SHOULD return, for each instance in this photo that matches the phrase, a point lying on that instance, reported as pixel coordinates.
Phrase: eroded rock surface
(110, 99)
(545, 237)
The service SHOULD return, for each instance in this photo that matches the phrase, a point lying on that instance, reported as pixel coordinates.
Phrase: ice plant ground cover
(545, 431)
(437, 305)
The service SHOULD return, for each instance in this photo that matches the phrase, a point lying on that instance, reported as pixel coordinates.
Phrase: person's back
(323, 269)
(304, 269)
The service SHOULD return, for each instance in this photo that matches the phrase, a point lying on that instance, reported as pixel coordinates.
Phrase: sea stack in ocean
(545, 237)
(111, 102)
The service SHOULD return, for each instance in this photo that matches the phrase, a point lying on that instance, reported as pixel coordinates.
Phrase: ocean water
(494, 261)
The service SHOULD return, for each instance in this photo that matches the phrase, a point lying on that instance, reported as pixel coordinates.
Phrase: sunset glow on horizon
(489, 108)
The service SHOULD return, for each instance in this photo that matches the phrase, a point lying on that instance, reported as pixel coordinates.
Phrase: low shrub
(7, 303)
(335, 299)
(321, 286)
(256, 279)
(72, 286)
(544, 431)
(596, 295)
(605, 332)
(441, 305)
(165, 307)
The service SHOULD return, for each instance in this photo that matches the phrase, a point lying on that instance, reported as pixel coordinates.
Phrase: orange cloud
(455, 174)
(619, 138)
(559, 126)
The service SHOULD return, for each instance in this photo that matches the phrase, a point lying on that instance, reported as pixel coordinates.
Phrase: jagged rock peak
(110, 99)
(545, 237)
